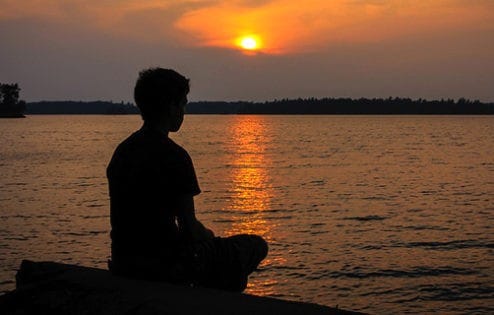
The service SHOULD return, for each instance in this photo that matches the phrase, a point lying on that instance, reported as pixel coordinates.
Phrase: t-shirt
(145, 173)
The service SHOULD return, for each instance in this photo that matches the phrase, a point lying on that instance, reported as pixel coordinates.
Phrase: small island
(10, 105)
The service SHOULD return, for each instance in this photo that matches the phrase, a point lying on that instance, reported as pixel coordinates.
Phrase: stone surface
(53, 288)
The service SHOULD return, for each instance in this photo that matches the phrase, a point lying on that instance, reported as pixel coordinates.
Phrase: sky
(252, 50)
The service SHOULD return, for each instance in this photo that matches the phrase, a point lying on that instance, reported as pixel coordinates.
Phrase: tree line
(11, 106)
(347, 106)
(308, 106)
(80, 107)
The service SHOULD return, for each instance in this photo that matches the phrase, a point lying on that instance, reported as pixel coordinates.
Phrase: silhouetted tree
(10, 93)
(10, 106)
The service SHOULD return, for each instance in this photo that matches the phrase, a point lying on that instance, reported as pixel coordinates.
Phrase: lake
(381, 214)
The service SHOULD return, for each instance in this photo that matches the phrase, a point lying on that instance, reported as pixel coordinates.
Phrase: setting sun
(249, 42)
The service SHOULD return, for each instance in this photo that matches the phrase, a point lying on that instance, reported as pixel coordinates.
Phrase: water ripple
(366, 218)
(416, 272)
(451, 245)
(449, 292)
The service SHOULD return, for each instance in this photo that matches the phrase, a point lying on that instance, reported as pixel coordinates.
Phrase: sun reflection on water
(251, 187)
(251, 184)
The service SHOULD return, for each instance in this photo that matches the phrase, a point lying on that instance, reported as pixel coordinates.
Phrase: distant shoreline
(311, 106)
(252, 114)
(12, 115)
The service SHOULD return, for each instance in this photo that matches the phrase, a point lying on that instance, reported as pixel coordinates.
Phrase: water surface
(383, 214)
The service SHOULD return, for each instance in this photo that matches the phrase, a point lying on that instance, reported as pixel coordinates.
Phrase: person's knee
(261, 245)
(250, 244)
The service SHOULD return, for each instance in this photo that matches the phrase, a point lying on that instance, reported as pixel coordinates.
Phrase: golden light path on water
(252, 188)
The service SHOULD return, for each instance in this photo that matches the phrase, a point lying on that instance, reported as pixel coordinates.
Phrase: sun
(250, 42)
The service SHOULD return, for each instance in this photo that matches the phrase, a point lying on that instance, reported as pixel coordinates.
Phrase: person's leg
(225, 263)
(250, 250)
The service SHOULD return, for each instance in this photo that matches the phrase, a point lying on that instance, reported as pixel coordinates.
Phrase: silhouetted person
(155, 233)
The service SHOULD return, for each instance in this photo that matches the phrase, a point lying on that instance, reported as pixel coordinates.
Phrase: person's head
(161, 96)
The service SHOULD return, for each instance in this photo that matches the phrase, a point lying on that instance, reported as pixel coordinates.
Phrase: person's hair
(156, 89)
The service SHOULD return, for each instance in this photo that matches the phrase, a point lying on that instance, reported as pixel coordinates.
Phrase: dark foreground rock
(53, 288)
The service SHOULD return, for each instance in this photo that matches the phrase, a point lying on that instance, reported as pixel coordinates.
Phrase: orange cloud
(282, 26)
(100, 12)
(292, 26)
(137, 19)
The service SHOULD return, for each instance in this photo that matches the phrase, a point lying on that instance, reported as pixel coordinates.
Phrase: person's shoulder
(136, 141)
(177, 149)
(137, 138)
(125, 143)
(136, 150)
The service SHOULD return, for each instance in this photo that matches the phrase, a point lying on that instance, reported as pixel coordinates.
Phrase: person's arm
(189, 226)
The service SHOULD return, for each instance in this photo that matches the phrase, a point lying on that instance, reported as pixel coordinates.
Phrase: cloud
(285, 26)
(137, 19)
(288, 26)
(88, 49)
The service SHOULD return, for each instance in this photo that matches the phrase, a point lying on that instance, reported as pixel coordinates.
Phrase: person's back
(152, 182)
(146, 171)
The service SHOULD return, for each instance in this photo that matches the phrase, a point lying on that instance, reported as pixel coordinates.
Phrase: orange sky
(285, 26)
(392, 37)
(301, 26)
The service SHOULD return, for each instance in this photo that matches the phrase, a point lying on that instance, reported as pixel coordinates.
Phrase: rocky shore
(54, 288)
